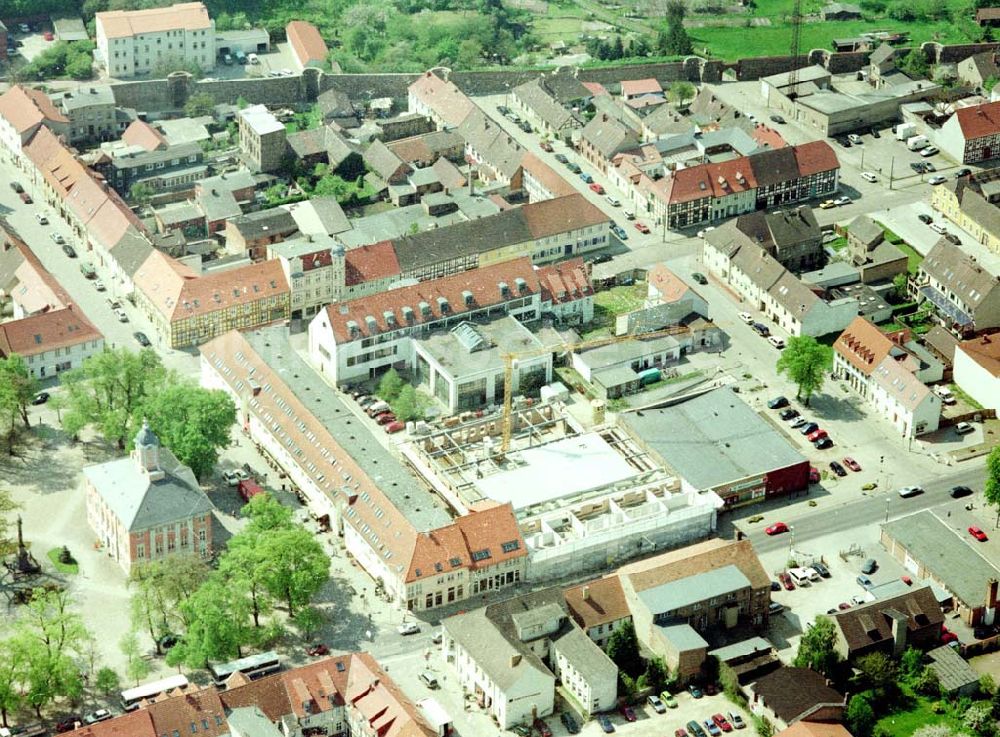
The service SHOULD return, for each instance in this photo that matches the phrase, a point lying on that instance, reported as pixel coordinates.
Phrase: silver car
(908, 491)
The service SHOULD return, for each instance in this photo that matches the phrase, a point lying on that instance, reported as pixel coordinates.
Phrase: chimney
(991, 593)
(586, 593)
(515, 660)
(899, 621)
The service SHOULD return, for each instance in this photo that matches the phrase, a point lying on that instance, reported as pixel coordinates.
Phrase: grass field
(69, 568)
(904, 724)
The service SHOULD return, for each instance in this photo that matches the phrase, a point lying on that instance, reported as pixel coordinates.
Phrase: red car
(947, 635)
(642, 227)
(978, 534)
(776, 529)
(542, 727)
(385, 418)
(813, 475)
(25, 198)
(394, 426)
(816, 435)
(595, 187)
(786, 581)
(318, 649)
(680, 732)
(48, 36)
(628, 712)
(722, 723)
(852, 464)
(545, 146)
(843, 606)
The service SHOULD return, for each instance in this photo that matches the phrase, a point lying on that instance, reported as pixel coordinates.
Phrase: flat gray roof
(683, 636)
(945, 553)
(690, 590)
(406, 493)
(398, 222)
(505, 335)
(953, 671)
(713, 439)
(741, 648)
(626, 351)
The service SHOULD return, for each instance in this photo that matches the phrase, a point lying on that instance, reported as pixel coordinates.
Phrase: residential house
(889, 372)
(975, 70)
(717, 442)
(567, 294)
(319, 216)
(666, 121)
(791, 235)
(336, 107)
(490, 149)
(871, 254)
(132, 42)
(404, 125)
(314, 269)
(678, 598)
(91, 112)
(966, 294)
(746, 660)
(51, 342)
(426, 148)
(395, 529)
(636, 88)
(534, 101)
(841, 11)
(187, 309)
(933, 550)
(890, 625)
(252, 233)
(308, 47)
(386, 165)
(603, 138)
(510, 655)
(144, 156)
(789, 695)
(439, 100)
(977, 369)
(342, 338)
(147, 507)
(624, 367)
(23, 111)
(973, 203)
(972, 134)
(263, 140)
(370, 269)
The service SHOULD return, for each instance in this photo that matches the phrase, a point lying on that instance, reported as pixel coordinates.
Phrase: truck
(915, 143)
(248, 489)
(905, 130)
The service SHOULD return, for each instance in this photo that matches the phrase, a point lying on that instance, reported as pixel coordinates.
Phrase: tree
(805, 362)
(914, 65)
(676, 40)
(877, 672)
(141, 193)
(991, 489)
(242, 562)
(409, 405)
(266, 513)
(979, 718)
(199, 104)
(7, 505)
(928, 683)
(136, 667)
(193, 422)
(295, 566)
(17, 386)
(623, 649)
(308, 620)
(911, 663)
(680, 92)
(860, 714)
(656, 675)
(107, 390)
(13, 669)
(817, 648)
(107, 682)
(390, 385)
(160, 588)
(470, 54)
(219, 625)
(167, 65)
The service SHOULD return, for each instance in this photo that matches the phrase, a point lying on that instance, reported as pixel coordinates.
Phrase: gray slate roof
(689, 590)
(609, 136)
(960, 273)
(713, 439)
(589, 660)
(255, 224)
(140, 503)
(866, 231)
(132, 251)
(957, 564)
(475, 236)
(953, 671)
(384, 162)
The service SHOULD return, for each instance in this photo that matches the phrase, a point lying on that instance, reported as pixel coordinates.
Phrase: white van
(813, 574)
(252, 58)
(428, 679)
(917, 142)
(945, 393)
(800, 576)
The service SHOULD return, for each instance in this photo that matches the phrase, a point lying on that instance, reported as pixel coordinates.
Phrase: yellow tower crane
(510, 358)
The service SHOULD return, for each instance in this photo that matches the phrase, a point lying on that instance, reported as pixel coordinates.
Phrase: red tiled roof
(979, 121)
(596, 88)
(24, 108)
(561, 215)
(133, 724)
(306, 42)
(564, 281)
(711, 180)
(668, 285)
(46, 331)
(863, 345)
(222, 290)
(815, 157)
(198, 707)
(598, 602)
(545, 175)
(444, 98)
(767, 136)
(631, 87)
(140, 133)
(381, 703)
(482, 283)
(125, 23)
(370, 263)
(984, 350)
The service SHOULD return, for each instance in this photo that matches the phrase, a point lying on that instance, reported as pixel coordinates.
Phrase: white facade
(597, 691)
(976, 380)
(132, 43)
(315, 273)
(531, 694)
(819, 318)
(342, 362)
(51, 362)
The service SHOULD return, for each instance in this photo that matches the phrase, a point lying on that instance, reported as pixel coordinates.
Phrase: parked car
(68, 250)
(121, 315)
(681, 732)
(964, 427)
(385, 418)
(575, 168)
(929, 151)
(864, 582)
(929, 167)
(777, 119)
(25, 198)
(788, 414)
(699, 277)
(603, 258)
(722, 723)
(596, 188)
(821, 569)
(777, 402)
(99, 285)
(735, 717)
(875, 133)
(233, 478)
(798, 422)
(869, 566)
(668, 699)
(613, 201)
(776, 342)
(813, 475)
(957, 492)
(746, 317)
(654, 701)
(68, 722)
(786, 581)
(925, 218)
(978, 534)
(844, 142)
(695, 691)
(628, 712)
(394, 427)
(761, 329)
(918, 166)
(543, 729)
(642, 227)
(569, 722)
(809, 427)
(141, 339)
(841, 201)
(936, 179)
(963, 172)
(852, 464)
(816, 435)
(854, 138)
(587, 179)
(952, 238)
(16, 186)
(775, 608)
(561, 158)
(908, 491)
(545, 146)
(317, 649)
(695, 729)
(712, 728)
(837, 469)
(605, 723)
(776, 529)
(822, 443)
(869, 176)
(40, 398)
(408, 628)
(40, 217)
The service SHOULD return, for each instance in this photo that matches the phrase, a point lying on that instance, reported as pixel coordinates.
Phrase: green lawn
(914, 259)
(619, 300)
(905, 723)
(69, 568)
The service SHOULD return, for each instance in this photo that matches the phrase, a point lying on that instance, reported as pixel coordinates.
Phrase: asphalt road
(828, 518)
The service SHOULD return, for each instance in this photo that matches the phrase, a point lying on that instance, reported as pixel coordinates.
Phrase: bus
(132, 698)
(252, 666)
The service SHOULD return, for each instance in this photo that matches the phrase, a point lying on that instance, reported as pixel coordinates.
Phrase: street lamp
(791, 540)
(887, 508)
